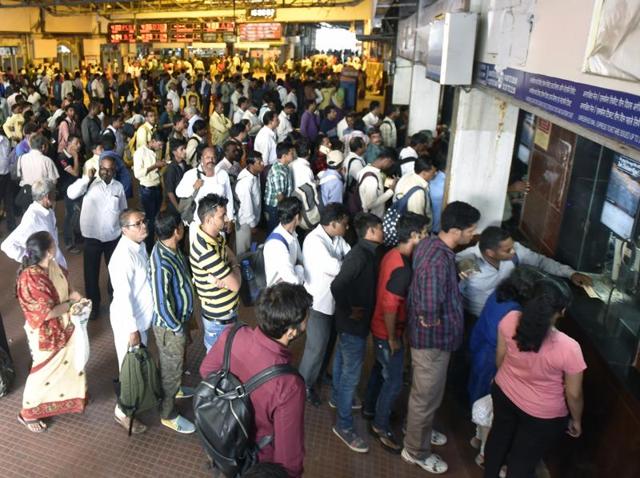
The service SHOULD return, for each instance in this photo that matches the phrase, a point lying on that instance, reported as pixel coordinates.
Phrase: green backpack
(139, 387)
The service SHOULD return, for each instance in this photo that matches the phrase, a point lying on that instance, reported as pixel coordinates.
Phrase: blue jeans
(68, 222)
(213, 330)
(347, 366)
(385, 383)
(271, 213)
(151, 199)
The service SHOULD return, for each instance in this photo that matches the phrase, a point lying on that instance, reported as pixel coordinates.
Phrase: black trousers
(93, 251)
(8, 191)
(517, 439)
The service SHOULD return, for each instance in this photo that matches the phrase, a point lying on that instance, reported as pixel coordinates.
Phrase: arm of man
(122, 280)
(78, 187)
(185, 187)
(341, 285)
(277, 255)
(550, 266)
(288, 431)
(161, 276)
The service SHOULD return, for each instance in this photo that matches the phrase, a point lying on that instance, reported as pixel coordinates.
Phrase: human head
(281, 311)
(178, 149)
(368, 226)
(169, 225)
(331, 113)
(350, 118)
(232, 151)
(255, 165)
(270, 119)
(212, 211)
(289, 108)
(208, 161)
(518, 287)
(420, 142)
(459, 221)
(74, 143)
(393, 112)
(335, 158)
(39, 246)
(219, 107)
(44, 192)
(107, 169)
(423, 166)
(335, 219)
(39, 141)
(497, 244)
(310, 106)
(375, 107)
(549, 302)
(70, 112)
(168, 105)
(150, 116)
(190, 111)
(157, 141)
(285, 152)
(385, 159)
(289, 210)
(238, 131)
(303, 149)
(375, 137)
(133, 225)
(200, 128)
(357, 146)
(94, 107)
(411, 228)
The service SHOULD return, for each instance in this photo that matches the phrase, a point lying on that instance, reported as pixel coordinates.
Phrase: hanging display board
(260, 31)
(121, 33)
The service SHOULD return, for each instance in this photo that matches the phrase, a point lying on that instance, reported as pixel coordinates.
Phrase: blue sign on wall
(608, 112)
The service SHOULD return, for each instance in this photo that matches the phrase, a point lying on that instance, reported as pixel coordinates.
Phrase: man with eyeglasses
(131, 309)
(104, 200)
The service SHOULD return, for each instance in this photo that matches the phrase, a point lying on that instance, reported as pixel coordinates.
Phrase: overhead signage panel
(260, 31)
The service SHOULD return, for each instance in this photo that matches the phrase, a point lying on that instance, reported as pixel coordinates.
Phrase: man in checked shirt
(435, 328)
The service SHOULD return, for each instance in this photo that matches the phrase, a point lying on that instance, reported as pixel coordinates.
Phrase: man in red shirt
(387, 328)
(278, 404)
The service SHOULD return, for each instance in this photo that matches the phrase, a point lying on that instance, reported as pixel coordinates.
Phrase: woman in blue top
(510, 293)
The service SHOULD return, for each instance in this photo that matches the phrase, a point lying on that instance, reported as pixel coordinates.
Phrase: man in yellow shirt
(145, 131)
(146, 169)
(14, 123)
(219, 125)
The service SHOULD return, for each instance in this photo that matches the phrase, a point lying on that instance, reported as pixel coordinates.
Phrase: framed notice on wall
(260, 31)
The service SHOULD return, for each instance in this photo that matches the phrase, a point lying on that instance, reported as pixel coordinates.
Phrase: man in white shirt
(419, 201)
(191, 113)
(323, 250)
(265, 142)
(284, 118)
(173, 95)
(230, 162)
(33, 97)
(39, 216)
(418, 145)
(131, 310)
(251, 115)
(34, 165)
(372, 118)
(282, 253)
(146, 169)
(345, 125)
(104, 200)
(241, 108)
(300, 167)
(203, 180)
(250, 201)
(371, 186)
(495, 256)
(388, 128)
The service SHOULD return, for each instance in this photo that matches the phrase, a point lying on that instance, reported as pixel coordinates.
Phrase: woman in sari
(53, 386)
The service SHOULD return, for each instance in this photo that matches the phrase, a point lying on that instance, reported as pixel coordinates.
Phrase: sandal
(34, 426)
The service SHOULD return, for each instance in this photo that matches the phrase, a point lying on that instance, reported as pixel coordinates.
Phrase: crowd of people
(356, 241)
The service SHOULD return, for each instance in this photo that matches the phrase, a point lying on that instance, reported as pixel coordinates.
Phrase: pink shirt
(534, 382)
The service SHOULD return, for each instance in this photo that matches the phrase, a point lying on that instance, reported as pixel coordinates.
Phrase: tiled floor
(92, 445)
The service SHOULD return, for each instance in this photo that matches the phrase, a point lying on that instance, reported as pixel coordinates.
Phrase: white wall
(558, 42)
(424, 102)
(482, 137)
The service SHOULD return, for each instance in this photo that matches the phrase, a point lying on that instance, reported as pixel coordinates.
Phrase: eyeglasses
(136, 224)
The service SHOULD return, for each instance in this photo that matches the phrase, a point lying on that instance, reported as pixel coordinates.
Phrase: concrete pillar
(424, 102)
(482, 142)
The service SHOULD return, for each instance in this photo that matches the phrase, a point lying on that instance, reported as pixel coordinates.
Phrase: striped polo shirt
(171, 287)
(209, 257)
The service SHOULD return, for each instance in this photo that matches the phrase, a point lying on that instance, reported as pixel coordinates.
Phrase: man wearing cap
(330, 180)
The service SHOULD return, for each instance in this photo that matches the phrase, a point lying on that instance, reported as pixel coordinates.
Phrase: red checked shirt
(278, 404)
(393, 285)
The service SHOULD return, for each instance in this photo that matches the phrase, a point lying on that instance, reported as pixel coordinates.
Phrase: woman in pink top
(538, 385)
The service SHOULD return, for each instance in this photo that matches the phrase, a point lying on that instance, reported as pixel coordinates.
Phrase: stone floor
(93, 445)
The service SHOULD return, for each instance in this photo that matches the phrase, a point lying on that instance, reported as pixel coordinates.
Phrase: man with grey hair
(191, 113)
(39, 216)
(35, 165)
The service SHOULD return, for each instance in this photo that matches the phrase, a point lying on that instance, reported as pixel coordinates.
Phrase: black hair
(386, 153)
(236, 129)
(228, 144)
(423, 163)
(199, 125)
(288, 209)
(356, 143)
(241, 100)
(268, 117)
(108, 141)
(308, 103)
(175, 143)
(166, 223)
(283, 148)
(373, 105)
(550, 297)
(253, 157)
(363, 221)
(209, 204)
(158, 136)
(374, 130)
(289, 104)
(491, 238)
(458, 215)
(418, 138)
(334, 211)
(281, 307)
(266, 470)
(518, 287)
(36, 248)
(303, 149)
(409, 223)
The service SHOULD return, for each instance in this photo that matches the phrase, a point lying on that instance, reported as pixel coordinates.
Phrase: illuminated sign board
(153, 32)
(260, 31)
(261, 13)
(121, 33)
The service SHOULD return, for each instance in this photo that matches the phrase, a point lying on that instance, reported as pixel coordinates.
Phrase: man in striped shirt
(216, 272)
(172, 309)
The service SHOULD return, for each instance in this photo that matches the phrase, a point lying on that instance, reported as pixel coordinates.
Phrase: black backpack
(7, 372)
(224, 414)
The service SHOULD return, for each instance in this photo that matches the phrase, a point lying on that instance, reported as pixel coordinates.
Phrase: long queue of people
(358, 243)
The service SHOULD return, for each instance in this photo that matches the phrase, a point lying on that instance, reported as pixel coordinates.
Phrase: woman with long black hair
(537, 393)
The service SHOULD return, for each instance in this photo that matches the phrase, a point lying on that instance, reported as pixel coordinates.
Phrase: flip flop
(43, 425)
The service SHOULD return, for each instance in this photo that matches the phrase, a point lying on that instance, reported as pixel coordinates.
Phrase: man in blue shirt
(331, 182)
(172, 308)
